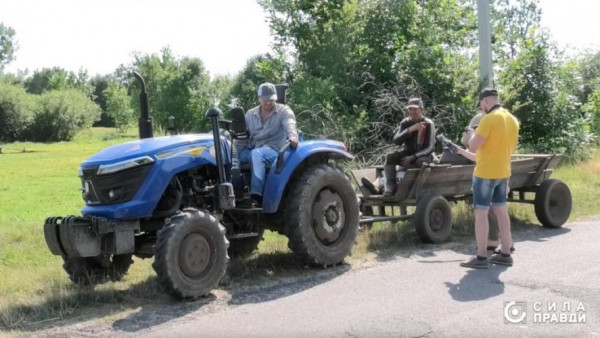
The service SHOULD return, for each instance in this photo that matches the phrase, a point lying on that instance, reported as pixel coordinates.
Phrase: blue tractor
(175, 198)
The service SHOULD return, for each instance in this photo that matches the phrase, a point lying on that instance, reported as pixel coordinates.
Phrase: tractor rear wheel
(191, 254)
(99, 269)
(321, 215)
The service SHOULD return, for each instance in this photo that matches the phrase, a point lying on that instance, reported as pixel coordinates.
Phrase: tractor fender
(276, 182)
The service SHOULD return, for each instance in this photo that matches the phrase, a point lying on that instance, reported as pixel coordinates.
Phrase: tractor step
(244, 235)
(247, 210)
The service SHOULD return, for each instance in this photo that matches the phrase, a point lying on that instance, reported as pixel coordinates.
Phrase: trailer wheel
(553, 203)
(191, 254)
(94, 270)
(323, 215)
(433, 219)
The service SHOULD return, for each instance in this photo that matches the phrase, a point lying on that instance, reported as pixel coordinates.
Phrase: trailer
(431, 187)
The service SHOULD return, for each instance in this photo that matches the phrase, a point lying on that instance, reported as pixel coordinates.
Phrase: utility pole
(485, 44)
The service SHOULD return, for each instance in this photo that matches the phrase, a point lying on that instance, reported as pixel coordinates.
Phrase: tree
(258, 69)
(349, 53)
(513, 21)
(16, 112)
(118, 106)
(45, 80)
(589, 70)
(550, 119)
(99, 85)
(175, 87)
(220, 92)
(8, 46)
(57, 78)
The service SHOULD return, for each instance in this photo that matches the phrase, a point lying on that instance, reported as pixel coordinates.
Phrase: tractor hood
(152, 147)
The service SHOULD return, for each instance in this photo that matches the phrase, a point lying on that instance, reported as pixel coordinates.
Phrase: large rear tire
(96, 270)
(433, 219)
(553, 203)
(321, 215)
(191, 254)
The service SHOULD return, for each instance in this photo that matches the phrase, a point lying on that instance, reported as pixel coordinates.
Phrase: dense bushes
(52, 116)
(16, 112)
(61, 114)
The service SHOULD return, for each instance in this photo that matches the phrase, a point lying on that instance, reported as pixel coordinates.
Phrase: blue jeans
(489, 192)
(258, 158)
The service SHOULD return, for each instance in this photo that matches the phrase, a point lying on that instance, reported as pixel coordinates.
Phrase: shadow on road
(156, 314)
(477, 284)
(283, 275)
(400, 240)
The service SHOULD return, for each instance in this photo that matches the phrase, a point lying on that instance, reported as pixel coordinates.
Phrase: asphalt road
(422, 293)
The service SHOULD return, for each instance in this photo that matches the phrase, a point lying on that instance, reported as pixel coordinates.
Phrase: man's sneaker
(499, 259)
(475, 263)
(370, 186)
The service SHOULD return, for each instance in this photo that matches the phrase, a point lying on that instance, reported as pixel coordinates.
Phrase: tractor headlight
(106, 169)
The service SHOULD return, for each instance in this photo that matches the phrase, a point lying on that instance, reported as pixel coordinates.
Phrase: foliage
(118, 106)
(512, 22)
(259, 69)
(175, 87)
(8, 46)
(589, 70)
(57, 78)
(350, 53)
(352, 64)
(61, 114)
(16, 112)
(220, 92)
(550, 119)
(592, 110)
(99, 84)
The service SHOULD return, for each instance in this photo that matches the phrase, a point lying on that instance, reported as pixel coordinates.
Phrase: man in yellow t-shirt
(493, 143)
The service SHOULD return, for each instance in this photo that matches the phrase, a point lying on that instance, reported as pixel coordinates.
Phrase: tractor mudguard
(276, 182)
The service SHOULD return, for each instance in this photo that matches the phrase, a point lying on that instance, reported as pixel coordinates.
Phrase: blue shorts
(489, 192)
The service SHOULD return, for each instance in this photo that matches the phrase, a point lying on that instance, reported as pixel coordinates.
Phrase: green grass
(40, 180)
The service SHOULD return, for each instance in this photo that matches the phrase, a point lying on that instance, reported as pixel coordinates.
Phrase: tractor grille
(112, 188)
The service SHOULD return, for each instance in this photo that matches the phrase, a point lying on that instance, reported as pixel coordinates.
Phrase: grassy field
(40, 180)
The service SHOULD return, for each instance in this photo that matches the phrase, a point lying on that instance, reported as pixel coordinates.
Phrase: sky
(98, 36)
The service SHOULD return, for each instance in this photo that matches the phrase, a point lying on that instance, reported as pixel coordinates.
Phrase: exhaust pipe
(145, 121)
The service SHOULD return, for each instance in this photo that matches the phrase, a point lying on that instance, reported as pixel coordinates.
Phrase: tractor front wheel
(191, 254)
